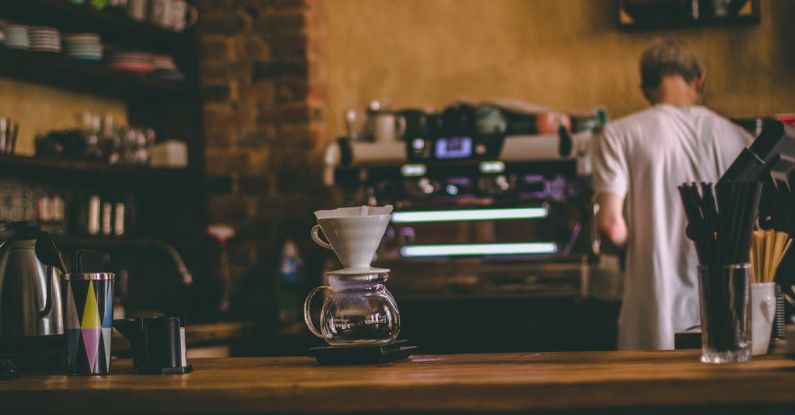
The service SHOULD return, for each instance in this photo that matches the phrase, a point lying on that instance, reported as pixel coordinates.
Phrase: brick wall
(264, 91)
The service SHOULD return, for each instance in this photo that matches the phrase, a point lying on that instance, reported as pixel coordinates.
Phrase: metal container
(30, 296)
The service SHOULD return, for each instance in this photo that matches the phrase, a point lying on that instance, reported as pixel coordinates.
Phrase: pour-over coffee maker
(358, 310)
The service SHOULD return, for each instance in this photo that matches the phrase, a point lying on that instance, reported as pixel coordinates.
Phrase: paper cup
(763, 310)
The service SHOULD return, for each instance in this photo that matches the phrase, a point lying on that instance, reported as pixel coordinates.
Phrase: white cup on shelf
(183, 15)
(136, 9)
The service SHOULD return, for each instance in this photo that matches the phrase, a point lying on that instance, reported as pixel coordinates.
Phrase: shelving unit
(92, 171)
(114, 28)
(169, 204)
(691, 23)
(748, 14)
(92, 77)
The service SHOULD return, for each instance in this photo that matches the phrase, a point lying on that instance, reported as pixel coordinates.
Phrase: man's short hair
(665, 57)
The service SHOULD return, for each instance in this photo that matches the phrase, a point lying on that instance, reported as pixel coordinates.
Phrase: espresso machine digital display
(453, 148)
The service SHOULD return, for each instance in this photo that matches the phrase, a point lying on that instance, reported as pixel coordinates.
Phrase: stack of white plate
(85, 46)
(17, 37)
(44, 39)
(140, 62)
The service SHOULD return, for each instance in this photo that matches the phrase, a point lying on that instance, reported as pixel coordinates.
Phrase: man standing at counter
(639, 161)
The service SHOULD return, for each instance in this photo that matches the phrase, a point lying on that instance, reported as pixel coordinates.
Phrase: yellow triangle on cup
(90, 311)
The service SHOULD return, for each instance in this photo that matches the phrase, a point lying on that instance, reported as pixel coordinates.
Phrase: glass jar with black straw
(720, 223)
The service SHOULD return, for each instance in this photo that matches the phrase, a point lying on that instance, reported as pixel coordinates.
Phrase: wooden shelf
(117, 29)
(167, 204)
(96, 171)
(92, 77)
(98, 241)
(198, 334)
(690, 23)
(642, 16)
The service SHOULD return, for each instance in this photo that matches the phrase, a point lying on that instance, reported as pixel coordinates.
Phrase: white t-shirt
(644, 157)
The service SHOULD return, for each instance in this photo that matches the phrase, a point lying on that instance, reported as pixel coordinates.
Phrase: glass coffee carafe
(357, 309)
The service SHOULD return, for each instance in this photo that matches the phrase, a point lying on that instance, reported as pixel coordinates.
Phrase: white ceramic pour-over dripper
(352, 233)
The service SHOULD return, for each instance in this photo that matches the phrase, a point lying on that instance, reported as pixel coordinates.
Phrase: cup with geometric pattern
(88, 322)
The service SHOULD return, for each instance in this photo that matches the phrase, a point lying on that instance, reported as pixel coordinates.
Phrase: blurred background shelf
(93, 171)
(165, 206)
(645, 15)
(96, 242)
(690, 23)
(114, 28)
(200, 338)
(91, 77)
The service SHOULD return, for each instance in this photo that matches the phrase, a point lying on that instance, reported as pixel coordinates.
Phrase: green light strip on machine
(479, 249)
(469, 215)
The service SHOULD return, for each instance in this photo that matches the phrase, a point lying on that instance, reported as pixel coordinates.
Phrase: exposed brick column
(263, 84)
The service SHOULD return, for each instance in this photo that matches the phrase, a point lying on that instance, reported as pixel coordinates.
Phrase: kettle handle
(48, 300)
(308, 311)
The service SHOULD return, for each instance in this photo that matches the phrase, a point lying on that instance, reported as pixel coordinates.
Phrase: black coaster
(362, 355)
(166, 370)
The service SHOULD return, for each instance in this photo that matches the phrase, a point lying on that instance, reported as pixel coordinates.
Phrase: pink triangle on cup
(91, 343)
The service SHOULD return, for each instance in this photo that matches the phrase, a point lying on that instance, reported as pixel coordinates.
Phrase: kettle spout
(130, 328)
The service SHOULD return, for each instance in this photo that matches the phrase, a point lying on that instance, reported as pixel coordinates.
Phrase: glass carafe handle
(308, 310)
(396, 316)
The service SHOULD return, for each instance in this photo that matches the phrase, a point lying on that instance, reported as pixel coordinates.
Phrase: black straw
(721, 222)
(721, 219)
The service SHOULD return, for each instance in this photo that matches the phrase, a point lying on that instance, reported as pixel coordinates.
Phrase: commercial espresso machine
(492, 243)
(479, 215)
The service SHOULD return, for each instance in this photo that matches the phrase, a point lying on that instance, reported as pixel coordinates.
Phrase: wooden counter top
(488, 383)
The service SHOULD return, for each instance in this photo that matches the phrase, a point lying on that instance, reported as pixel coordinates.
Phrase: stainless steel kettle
(30, 291)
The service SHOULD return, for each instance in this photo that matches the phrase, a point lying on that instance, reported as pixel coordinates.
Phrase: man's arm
(610, 218)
